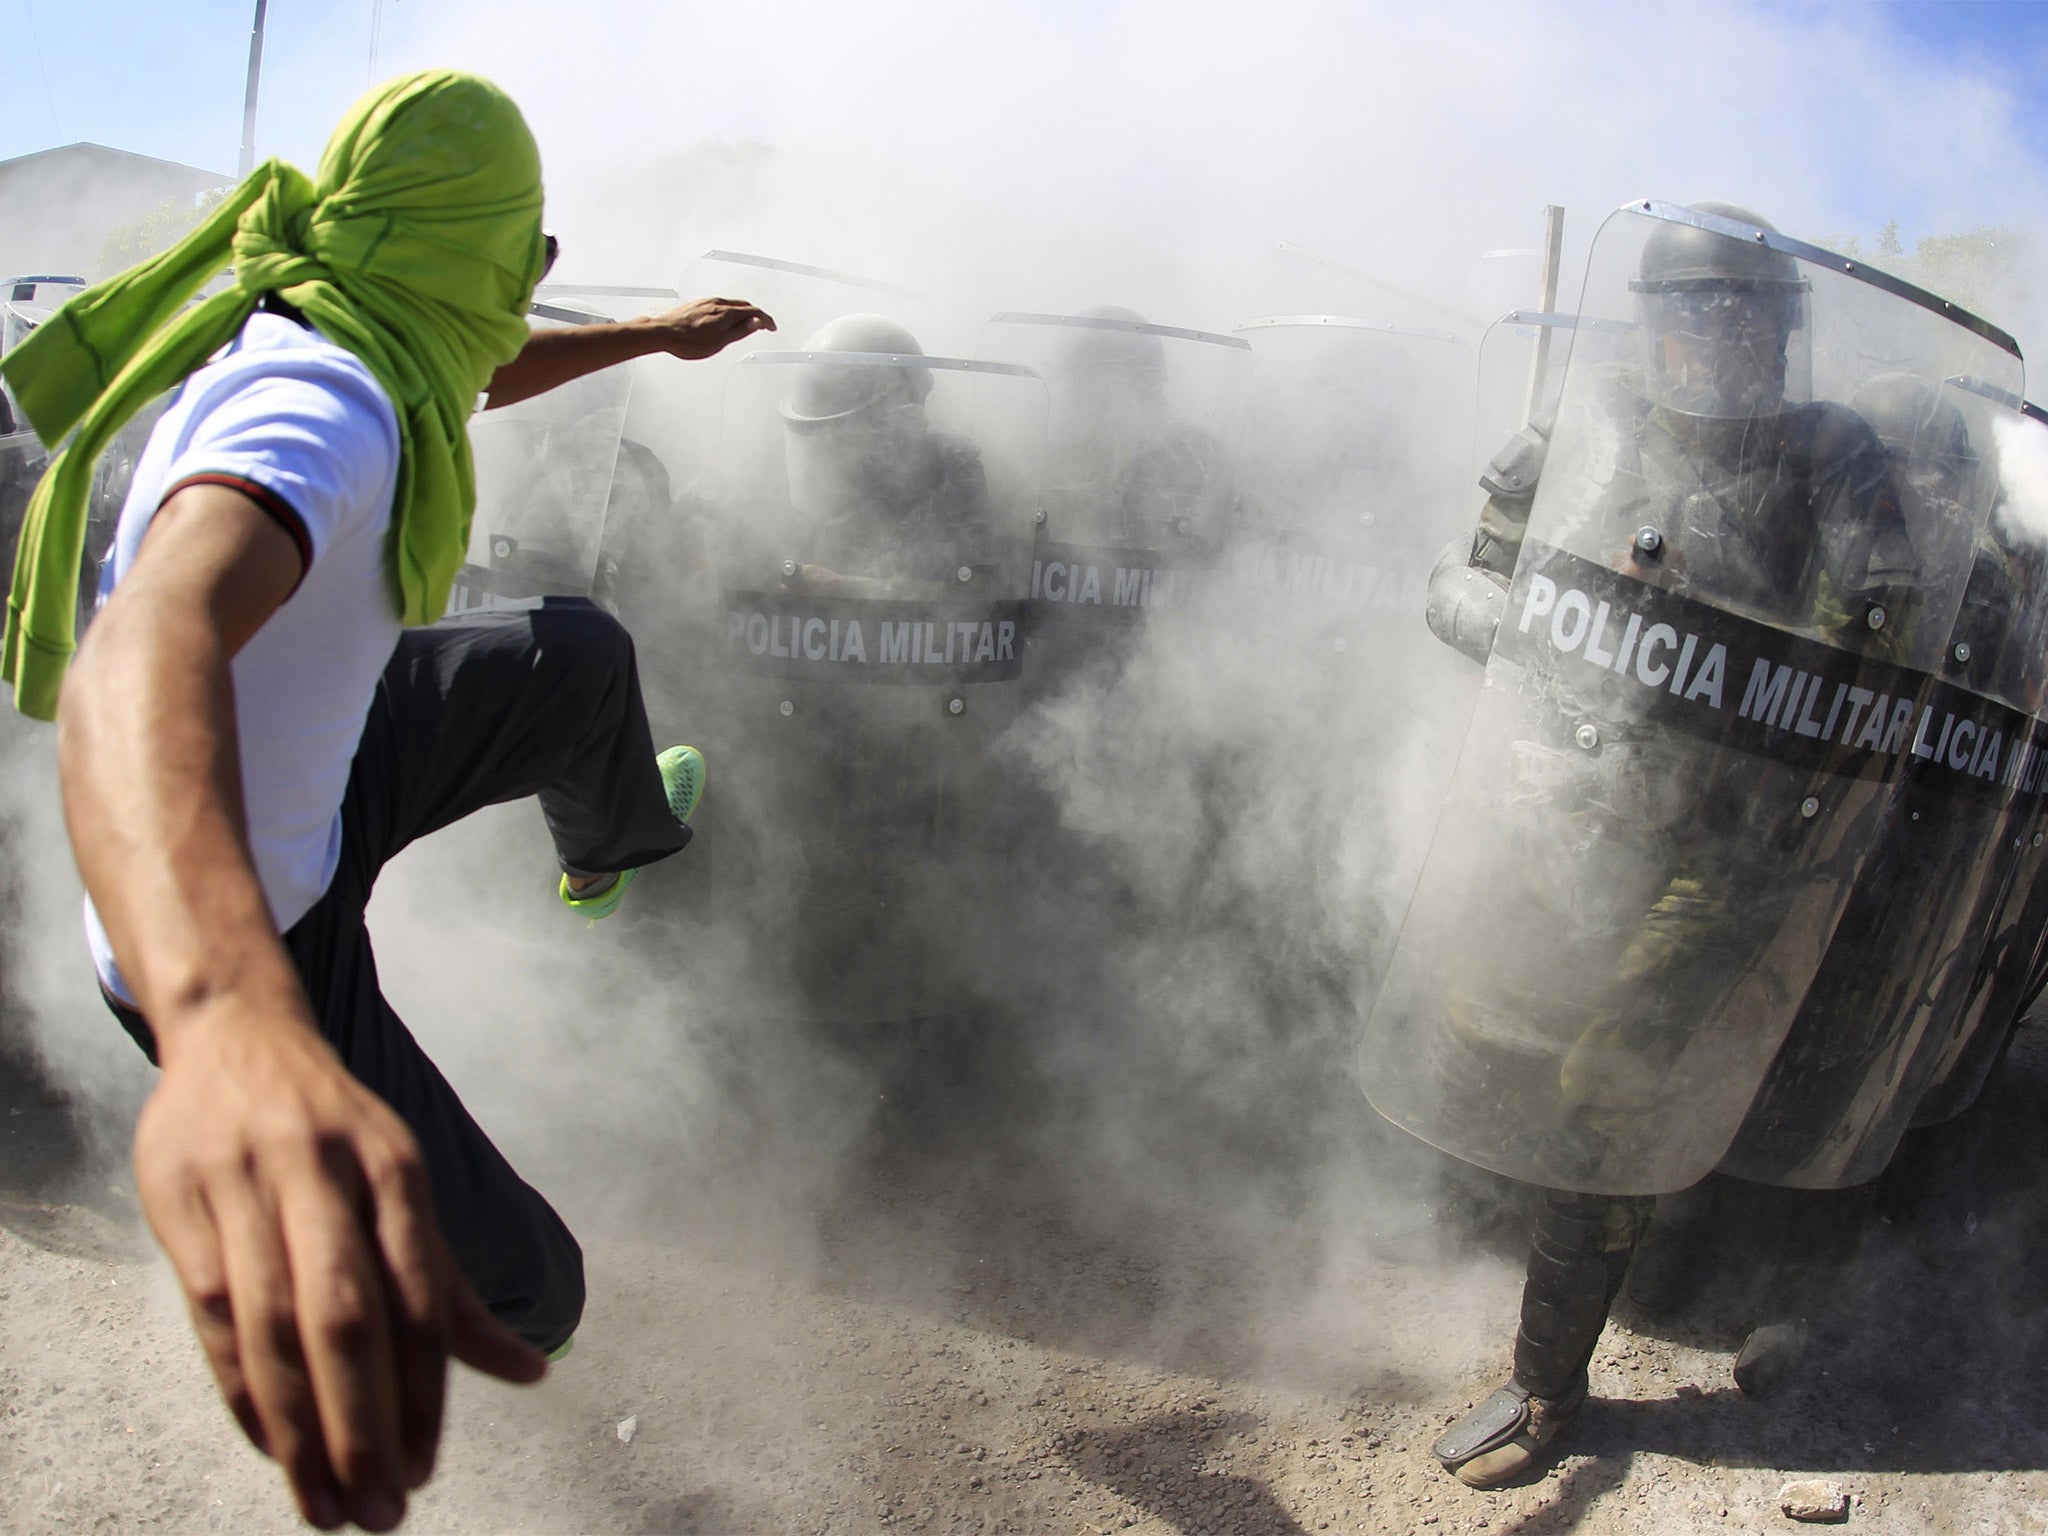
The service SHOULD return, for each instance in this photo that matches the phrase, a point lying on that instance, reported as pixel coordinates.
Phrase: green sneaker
(604, 903)
(561, 1350)
(682, 780)
(682, 775)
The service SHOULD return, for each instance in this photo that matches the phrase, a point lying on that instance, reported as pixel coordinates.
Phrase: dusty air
(1195, 771)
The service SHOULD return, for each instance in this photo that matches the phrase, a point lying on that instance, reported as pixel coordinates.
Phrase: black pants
(1578, 1253)
(472, 712)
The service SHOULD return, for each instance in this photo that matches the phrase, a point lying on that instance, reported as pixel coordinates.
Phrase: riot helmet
(1114, 365)
(848, 427)
(1117, 345)
(1934, 465)
(830, 392)
(1915, 419)
(1722, 320)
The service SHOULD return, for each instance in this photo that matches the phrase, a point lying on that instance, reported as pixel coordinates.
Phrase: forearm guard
(1465, 602)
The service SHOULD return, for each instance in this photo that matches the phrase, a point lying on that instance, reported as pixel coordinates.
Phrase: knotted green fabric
(417, 249)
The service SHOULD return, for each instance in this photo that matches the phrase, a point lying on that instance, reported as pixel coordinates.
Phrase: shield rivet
(965, 573)
(1181, 526)
(1809, 807)
(2037, 839)
(787, 708)
(1962, 650)
(789, 567)
(954, 706)
(1875, 618)
(502, 548)
(1649, 540)
(1038, 516)
(1587, 736)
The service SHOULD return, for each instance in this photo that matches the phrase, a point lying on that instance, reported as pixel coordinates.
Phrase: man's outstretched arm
(290, 1199)
(555, 355)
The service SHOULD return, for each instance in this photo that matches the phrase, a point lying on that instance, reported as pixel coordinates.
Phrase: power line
(43, 70)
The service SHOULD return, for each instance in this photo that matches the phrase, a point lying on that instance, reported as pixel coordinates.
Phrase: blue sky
(165, 77)
(2005, 40)
(1988, 30)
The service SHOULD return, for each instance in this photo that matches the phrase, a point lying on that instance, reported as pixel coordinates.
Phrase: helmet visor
(1725, 350)
(842, 464)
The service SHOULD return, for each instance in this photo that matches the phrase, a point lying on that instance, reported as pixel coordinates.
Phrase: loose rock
(1812, 1499)
(628, 1428)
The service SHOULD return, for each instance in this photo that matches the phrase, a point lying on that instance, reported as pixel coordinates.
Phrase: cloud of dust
(2022, 450)
(1151, 939)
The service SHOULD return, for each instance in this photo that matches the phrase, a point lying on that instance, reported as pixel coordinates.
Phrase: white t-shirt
(300, 425)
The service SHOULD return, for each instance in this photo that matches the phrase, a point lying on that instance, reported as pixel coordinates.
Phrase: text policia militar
(1626, 647)
(1119, 584)
(873, 640)
(954, 640)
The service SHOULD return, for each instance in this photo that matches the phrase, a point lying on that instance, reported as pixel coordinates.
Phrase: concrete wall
(58, 206)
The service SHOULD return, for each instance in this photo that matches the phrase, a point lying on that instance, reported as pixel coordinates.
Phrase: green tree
(1993, 270)
(158, 230)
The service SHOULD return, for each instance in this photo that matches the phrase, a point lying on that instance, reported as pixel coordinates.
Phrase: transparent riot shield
(800, 296)
(677, 410)
(1291, 279)
(618, 300)
(1354, 426)
(1955, 1065)
(1521, 370)
(874, 514)
(1894, 993)
(28, 303)
(1142, 430)
(882, 478)
(1141, 433)
(2008, 598)
(1350, 484)
(1715, 681)
(1350, 480)
(544, 487)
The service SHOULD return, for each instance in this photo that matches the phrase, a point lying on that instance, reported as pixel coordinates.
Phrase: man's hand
(705, 327)
(289, 1198)
(293, 1206)
(554, 355)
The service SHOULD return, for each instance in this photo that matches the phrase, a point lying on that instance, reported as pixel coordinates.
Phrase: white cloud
(1405, 138)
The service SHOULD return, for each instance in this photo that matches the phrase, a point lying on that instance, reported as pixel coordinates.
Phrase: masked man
(264, 712)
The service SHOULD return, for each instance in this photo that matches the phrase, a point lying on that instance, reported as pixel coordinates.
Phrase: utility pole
(249, 101)
(1553, 258)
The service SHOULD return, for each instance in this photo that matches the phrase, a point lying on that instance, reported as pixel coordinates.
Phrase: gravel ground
(932, 1350)
(837, 1292)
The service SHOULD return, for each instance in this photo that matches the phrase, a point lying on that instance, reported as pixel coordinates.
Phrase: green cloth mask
(417, 249)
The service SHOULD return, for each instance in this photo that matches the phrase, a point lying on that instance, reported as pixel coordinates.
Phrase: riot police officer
(889, 497)
(868, 640)
(1936, 464)
(1140, 472)
(1777, 510)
